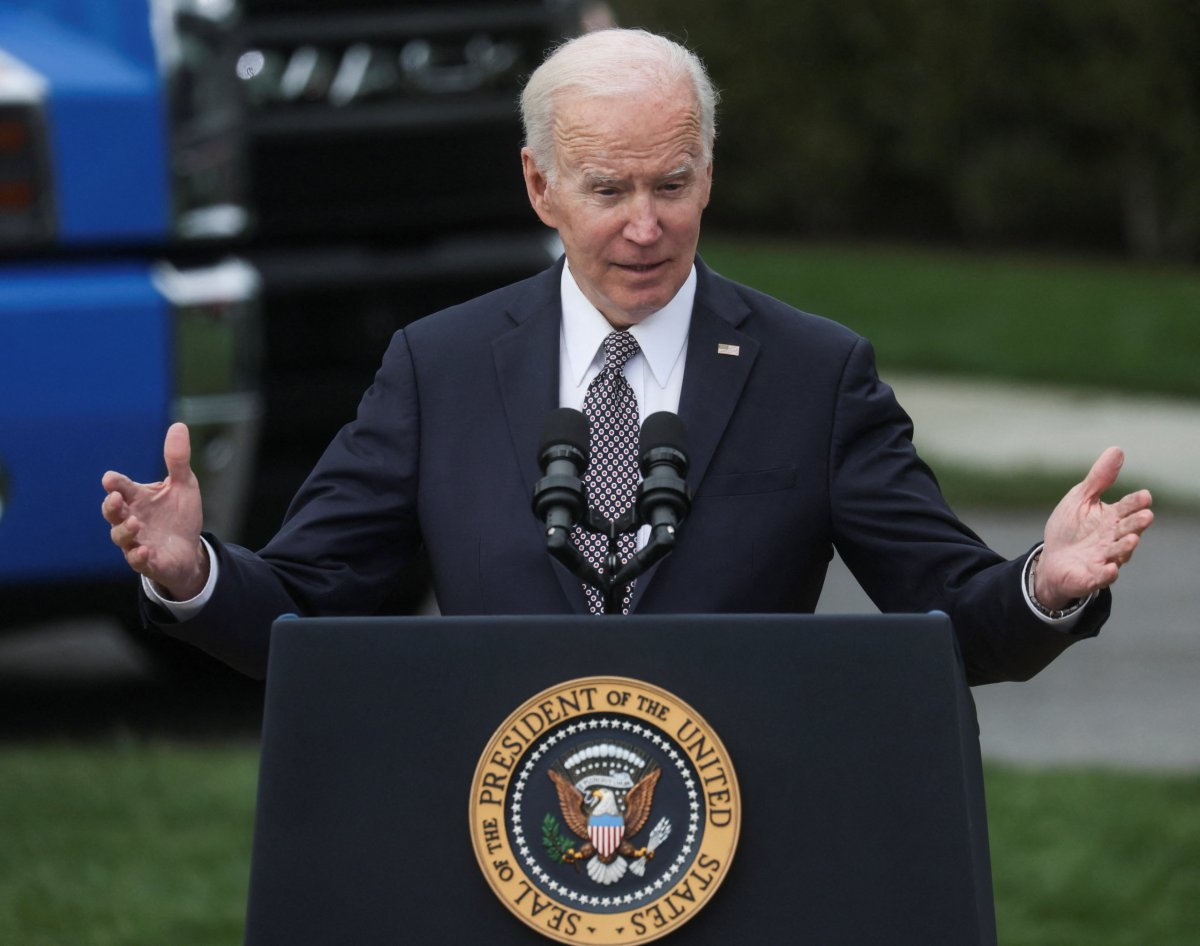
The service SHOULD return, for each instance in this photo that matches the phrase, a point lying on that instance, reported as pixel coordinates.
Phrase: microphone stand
(617, 577)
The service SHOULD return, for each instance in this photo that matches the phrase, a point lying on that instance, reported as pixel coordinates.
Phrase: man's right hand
(157, 525)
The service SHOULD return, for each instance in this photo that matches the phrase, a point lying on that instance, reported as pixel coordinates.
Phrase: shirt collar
(661, 335)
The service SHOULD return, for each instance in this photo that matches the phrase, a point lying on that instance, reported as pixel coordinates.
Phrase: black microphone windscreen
(565, 425)
(663, 429)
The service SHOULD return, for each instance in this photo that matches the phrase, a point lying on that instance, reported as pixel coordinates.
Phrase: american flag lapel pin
(724, 348)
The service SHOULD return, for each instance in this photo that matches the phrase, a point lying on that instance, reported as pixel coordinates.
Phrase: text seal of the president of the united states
(605, 810)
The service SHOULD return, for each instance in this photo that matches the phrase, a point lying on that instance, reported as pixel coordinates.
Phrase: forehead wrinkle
(604, 162)
(575, 135)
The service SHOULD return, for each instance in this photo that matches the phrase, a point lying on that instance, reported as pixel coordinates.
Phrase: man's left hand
(1086, 540)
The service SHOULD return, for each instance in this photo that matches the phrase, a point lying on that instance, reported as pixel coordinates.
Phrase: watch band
(1054, 614)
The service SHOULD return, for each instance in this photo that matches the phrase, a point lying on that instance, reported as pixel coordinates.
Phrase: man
(796, 446)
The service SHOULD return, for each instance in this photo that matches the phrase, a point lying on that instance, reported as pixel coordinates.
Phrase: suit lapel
(719, 359)
(526, 359)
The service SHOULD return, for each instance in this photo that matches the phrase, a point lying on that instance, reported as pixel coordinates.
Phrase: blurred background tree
(1044, 123)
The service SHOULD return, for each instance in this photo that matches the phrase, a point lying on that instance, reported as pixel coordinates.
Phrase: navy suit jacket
(796, 447)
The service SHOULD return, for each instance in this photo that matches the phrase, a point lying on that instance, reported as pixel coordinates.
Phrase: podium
(853, 738)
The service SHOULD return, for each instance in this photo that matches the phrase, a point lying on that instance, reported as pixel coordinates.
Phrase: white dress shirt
(655, 373)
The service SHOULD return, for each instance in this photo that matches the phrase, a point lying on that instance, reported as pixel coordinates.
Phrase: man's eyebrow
(600, 179)
(681, 171)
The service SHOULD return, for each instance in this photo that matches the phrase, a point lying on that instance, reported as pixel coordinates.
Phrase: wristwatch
(1054, 614)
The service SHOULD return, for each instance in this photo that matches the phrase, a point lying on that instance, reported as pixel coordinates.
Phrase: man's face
(630, 190)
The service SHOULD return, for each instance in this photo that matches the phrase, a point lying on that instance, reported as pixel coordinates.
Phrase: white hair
(612, 63)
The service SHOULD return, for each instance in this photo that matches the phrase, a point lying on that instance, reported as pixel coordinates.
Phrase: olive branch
(553, 841)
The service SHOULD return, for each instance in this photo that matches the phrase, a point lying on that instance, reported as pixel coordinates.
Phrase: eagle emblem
(606, 809)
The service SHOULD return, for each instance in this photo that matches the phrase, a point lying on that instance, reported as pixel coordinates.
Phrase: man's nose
(643, 225)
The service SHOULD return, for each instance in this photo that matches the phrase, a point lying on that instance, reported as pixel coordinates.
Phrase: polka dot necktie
(612, 474)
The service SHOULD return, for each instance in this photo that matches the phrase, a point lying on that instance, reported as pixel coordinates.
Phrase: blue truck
(218, 212)
(121, 306)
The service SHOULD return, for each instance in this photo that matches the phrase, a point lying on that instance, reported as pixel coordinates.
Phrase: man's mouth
(641, 267)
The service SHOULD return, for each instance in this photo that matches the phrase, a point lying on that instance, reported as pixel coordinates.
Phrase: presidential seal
(605, 810)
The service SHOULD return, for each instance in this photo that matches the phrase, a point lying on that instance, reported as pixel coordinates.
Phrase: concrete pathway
(997, 426)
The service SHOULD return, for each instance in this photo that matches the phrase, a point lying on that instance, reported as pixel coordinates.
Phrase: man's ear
(538, 189)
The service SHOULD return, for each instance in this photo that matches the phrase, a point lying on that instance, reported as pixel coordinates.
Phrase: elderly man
(797, 447)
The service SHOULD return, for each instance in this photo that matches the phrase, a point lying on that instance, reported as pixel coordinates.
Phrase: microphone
(558, 497)
(663, 498)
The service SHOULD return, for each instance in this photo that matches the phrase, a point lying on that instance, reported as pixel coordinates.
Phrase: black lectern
(853, 739)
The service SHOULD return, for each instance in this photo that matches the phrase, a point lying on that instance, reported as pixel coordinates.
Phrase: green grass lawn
(1095, 858)
(1104, 324)
(133, 845)
(125, 844)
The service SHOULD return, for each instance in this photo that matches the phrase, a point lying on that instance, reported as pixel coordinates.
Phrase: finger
(124, 534)
(1107, 575)
(1122, 550)
(114, 482)
(1103, 473)
(1136, 524)
(138, 558)
(114, 509)
(121, 538)
(1133, 502)
(177, 452)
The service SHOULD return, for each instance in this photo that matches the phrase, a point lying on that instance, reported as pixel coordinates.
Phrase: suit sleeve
(910, 552)
(348, 534)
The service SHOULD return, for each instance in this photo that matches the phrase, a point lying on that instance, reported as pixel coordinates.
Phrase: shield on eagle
(605, 831)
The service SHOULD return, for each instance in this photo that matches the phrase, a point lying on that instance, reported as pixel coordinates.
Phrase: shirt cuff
(182, 610)
(1064, 620)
